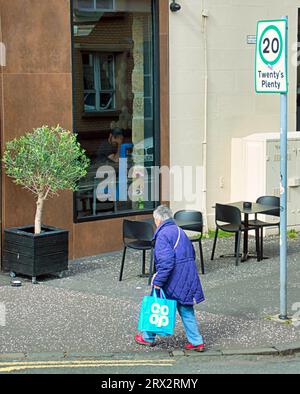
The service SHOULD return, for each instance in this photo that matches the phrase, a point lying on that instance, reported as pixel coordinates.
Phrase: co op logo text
(159, 317)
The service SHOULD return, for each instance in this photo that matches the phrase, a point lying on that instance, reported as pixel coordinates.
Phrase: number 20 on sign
(271, 57)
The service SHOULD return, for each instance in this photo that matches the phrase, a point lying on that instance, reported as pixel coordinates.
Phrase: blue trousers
(189, 321)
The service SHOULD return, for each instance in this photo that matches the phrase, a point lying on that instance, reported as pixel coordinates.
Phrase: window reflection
(98, 81)
(113, 103)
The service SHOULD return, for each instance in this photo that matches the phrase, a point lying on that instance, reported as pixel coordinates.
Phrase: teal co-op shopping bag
(158, 315)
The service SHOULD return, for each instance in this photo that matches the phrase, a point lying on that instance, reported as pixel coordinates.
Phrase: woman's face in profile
(116, 141)
(157, 222)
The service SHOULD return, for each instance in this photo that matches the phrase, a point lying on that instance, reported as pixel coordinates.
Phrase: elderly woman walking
(177, 275)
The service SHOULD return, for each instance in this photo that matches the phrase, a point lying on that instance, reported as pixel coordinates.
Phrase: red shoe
(140, 340)
(199, 348)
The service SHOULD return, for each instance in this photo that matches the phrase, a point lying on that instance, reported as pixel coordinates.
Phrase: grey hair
(163, 213)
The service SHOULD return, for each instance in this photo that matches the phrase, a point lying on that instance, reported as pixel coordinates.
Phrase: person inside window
(109, 151)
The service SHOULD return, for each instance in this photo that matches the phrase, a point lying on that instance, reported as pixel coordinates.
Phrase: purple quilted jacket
(175, 265)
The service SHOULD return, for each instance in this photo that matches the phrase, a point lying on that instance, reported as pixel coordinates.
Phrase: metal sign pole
(283, 201)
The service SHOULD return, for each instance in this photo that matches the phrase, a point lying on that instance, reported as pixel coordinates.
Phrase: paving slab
(44, 356)
(12, 356)
(251, 352)
(89, 355)
(90, 312)
(289, 348)
(207, 353)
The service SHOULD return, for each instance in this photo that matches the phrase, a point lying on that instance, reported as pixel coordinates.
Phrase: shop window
(99, 82)
(116, 102)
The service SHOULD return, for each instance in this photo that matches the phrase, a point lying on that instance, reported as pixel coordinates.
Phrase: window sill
(111, 215)
(104, 114)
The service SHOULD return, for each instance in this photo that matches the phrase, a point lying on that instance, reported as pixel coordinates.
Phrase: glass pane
(96, 5)
(148, 108)
(88, 71)
(107, 72)
(148, 86)
(148, 57)
(107, 101)
(117, 85)
(105, 4)
(86, 4)
(89, 102)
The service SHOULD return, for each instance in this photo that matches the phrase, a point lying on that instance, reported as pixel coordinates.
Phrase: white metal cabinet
(255, 170)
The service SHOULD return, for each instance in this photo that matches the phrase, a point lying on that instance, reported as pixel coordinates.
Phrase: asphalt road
(157, 366)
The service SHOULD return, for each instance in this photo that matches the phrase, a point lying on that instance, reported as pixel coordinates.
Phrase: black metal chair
(138, 236)
(260, 225)
(196, 218)
(229, 219)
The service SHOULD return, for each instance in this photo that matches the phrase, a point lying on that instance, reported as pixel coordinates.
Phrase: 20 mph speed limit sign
(271, 57)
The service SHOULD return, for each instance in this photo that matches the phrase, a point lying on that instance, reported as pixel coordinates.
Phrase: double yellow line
(8, 367)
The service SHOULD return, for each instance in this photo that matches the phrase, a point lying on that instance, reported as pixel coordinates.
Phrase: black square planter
(34, 255)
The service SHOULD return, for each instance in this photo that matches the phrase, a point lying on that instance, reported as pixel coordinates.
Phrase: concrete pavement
(89, 311)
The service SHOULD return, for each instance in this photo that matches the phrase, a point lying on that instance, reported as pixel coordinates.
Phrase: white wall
(234, 110)
(186, 89)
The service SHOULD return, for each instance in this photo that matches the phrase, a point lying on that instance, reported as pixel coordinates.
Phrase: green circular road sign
(272, 46)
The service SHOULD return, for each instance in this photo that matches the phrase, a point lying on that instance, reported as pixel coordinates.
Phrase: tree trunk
(38, 215)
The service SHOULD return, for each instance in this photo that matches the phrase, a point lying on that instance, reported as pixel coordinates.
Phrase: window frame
(98, 9)
(97, 83)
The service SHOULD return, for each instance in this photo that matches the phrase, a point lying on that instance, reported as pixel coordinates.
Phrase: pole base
(280, 319)
(284, 318)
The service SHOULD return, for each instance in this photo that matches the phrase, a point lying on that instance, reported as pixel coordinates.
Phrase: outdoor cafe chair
(138, 235)
(228, 219)
(260, 224)
(192, 221)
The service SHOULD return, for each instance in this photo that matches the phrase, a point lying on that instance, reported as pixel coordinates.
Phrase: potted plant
(45, 162)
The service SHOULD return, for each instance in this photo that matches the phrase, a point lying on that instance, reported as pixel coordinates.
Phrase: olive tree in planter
(45, 162)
